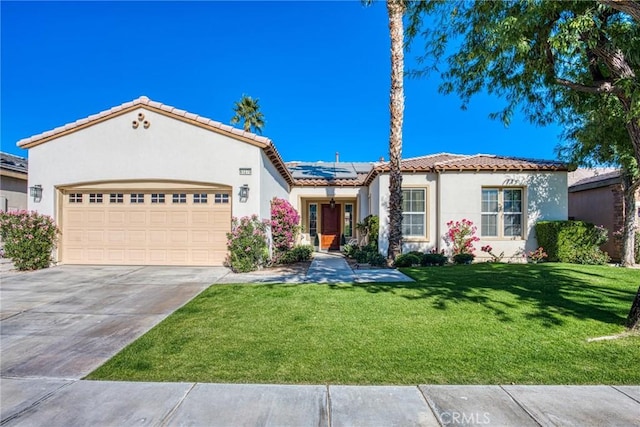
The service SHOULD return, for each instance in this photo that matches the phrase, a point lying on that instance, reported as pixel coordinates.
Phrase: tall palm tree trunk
(396, 9)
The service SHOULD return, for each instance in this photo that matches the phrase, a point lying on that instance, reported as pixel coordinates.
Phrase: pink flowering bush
(247, 244)
(461, 235)
(538, 255)
(494, 258)
(284, 227)
(29, 238)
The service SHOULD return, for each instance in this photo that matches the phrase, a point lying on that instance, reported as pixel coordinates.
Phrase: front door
(330, 227)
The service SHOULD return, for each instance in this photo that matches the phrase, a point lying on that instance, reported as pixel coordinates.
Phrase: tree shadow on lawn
(552, 291)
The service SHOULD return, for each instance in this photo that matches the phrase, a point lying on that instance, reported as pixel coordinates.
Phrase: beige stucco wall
(457, 195)
(168, 150)
(545, 198)
(414, 180)
(13, 193)
(596, 205)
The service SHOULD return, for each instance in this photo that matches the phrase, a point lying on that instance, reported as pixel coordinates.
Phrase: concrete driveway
(65, 321)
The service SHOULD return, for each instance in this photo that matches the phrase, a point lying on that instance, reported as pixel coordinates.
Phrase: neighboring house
(146, 183)
(595, 195)
(13, 182)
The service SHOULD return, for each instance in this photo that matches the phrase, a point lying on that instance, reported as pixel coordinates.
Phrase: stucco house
(596, 196)
(146, 183)
(13, 182)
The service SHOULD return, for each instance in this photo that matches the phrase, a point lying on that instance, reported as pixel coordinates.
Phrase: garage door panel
(117, 218)
(138, 218)
(180, 218)
(179, 236)
(116, 256)
(158, 218)
(95, 256)
(116, 237)
(145, 233)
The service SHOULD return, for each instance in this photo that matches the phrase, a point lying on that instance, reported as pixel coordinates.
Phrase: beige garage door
(145, 227)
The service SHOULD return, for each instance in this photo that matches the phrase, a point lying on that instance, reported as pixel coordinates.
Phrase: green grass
(478, 324)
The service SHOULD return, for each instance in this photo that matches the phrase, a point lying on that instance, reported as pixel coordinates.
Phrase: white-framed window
(221, 198)
(75, 198)
(137, 198)
(157, 198)
(348, 220)
(414, 212)
(116, 198)
(95, 198)
(502, 212)
(179, 198)
(313, 219)
(200, 198)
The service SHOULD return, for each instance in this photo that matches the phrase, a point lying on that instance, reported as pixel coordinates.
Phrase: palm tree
(247, 111)
(396, 10)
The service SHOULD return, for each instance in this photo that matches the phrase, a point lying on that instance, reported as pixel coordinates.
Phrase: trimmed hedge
(576, 242)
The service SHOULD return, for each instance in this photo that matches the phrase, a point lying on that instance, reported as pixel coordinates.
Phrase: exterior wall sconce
(244, 192)
(36, 192)
(332, 203)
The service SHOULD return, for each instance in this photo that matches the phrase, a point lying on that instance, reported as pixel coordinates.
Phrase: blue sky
(319, 69)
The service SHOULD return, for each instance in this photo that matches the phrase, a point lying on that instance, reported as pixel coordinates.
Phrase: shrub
(284, 226)
(370, 226)
(434, 258)
(494, 258)
(29, 239)
(297, 254)
(572, 241)
(349, 250)
(247, 244)
(538, 255)
(369, 255)
(377, 259)
(461, 235)
(408, 260)
(463, 258)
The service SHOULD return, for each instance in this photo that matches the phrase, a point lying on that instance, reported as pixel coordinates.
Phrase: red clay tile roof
(457, 162)
(260, 141)
(498, 163)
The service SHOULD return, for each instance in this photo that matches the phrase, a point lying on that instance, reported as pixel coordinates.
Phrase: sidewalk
(33, 402)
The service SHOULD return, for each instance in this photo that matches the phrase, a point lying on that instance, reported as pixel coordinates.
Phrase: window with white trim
(313, 219)
(501, 212)
(157, 198)
(348, 220)
(221, 198)
(414, 212)
(200, 198)
(116, 198)
(75, 198)
(95, 198)
(137, 198)
(179, 198)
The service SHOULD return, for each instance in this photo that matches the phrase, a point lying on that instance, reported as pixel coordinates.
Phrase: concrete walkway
(325, 268)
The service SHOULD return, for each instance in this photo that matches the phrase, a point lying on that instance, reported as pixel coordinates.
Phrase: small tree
(284, 226)
(29, 238)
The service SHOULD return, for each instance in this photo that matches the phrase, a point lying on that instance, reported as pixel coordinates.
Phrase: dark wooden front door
(330, 227)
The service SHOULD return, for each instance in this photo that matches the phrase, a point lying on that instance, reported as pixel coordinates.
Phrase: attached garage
(145, 183)
(144, 223)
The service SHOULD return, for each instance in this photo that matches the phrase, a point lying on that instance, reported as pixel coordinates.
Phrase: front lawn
(478, 324)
